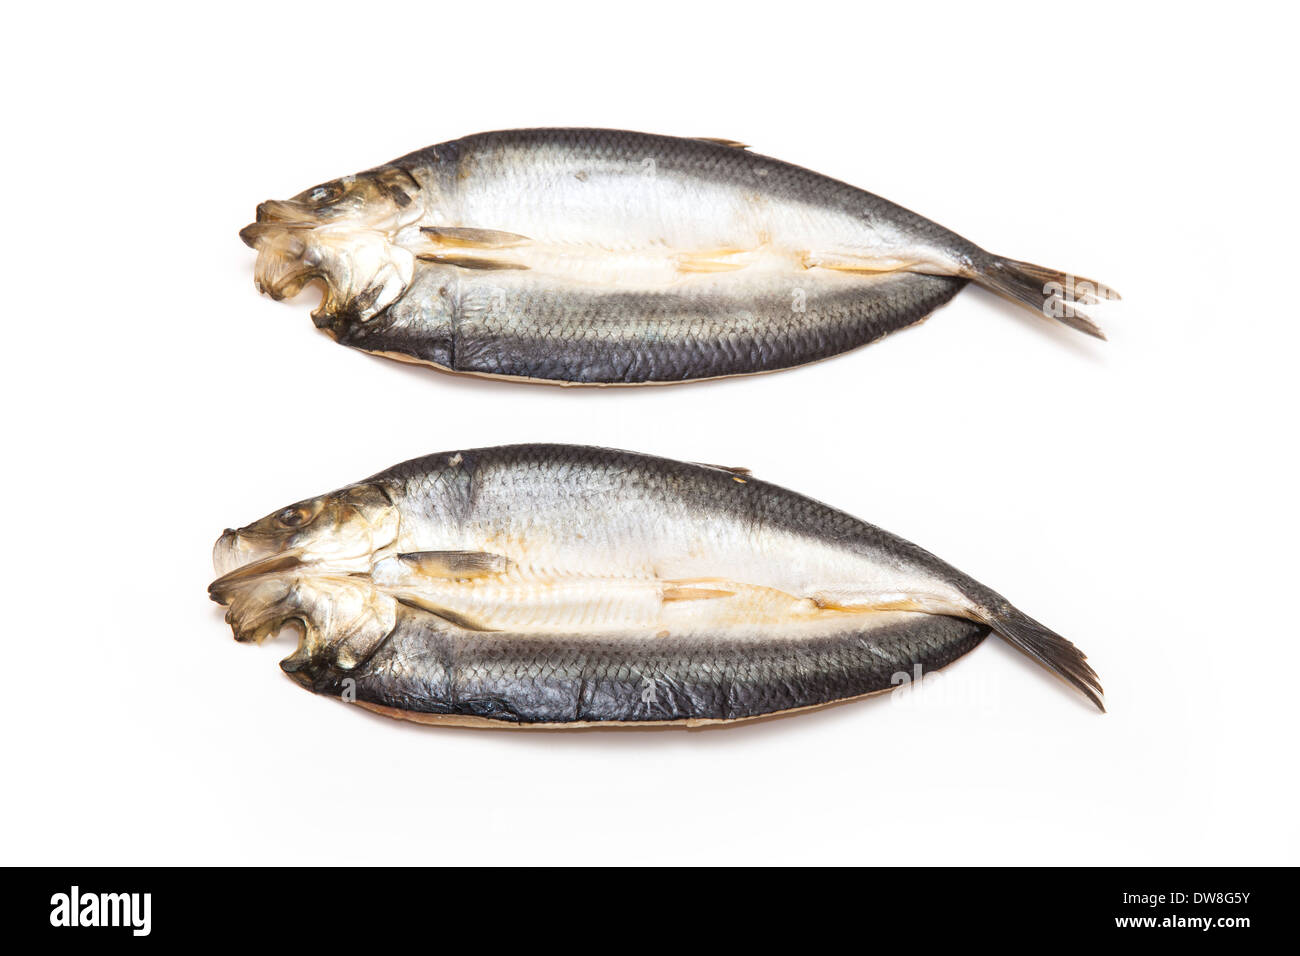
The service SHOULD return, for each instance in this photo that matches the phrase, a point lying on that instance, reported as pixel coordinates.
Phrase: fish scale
(520, 584)
(607, 257)
(526, 330)
(429, 673)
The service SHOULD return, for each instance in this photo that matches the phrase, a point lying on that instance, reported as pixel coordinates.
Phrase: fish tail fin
(1048, 648)
(1057, 295)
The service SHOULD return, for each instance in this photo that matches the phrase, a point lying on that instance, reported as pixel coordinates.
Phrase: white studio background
(1137, 495)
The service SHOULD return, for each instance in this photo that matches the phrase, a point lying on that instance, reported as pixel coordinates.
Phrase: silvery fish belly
(554, 585)
(611, 257)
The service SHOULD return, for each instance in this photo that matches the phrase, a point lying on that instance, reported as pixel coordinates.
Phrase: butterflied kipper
(554, 585)
(610, 257)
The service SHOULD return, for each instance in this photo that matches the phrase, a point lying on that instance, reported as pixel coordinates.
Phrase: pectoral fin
(481, 263)
(421, 603)
(478, 238)
(459, 565)
(470, 248)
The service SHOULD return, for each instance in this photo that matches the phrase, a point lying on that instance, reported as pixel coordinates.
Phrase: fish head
(387, 198)
(342, 618)
(310, 562)
(339, 233)
(342, 532)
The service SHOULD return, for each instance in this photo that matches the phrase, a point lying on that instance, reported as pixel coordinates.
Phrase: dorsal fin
(723, 141)
(734, 469)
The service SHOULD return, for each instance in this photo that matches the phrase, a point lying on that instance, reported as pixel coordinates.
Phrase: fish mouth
(276, 216)
(264, 622)
(285, 262)
(360, 270)
(286, 210)
(240, 563)
(275, 564)
(235, 550)
(255, 232)
(257, 593)
(253, 620)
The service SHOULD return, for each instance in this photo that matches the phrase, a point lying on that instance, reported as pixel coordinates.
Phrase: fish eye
(329, 192)
(293, 517)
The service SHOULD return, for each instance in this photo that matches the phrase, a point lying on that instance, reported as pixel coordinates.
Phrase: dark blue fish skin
(484, 324)
(826, 606)
(502, 154)
(430, 669)
(610, 257)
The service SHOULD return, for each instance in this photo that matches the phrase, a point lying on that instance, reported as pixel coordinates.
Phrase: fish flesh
(608, 257)
(567, 586)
